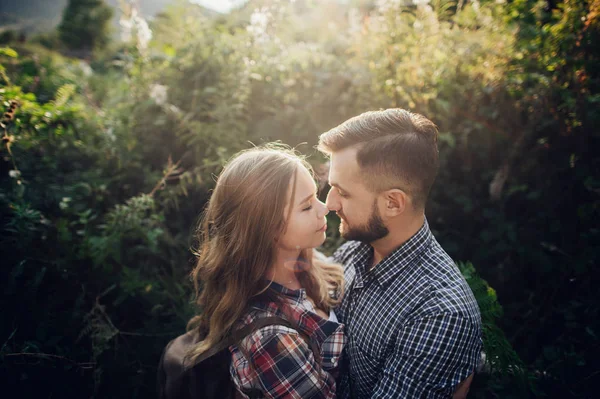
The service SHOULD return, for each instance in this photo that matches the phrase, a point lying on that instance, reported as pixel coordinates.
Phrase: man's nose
(332, 202)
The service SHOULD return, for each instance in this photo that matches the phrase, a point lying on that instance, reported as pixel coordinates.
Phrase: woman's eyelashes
(309, 206)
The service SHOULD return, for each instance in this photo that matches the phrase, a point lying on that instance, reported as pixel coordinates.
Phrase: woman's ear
(395, 202)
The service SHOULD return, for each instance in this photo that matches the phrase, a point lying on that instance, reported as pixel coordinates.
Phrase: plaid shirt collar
(394, 263)
(309, 322)
(295, 296)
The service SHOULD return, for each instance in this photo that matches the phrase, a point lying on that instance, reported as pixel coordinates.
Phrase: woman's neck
(285, 270)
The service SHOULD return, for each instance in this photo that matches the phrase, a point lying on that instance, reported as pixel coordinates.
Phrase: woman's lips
(324, 228)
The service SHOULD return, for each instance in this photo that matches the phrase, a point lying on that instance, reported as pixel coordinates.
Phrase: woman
(255, 261)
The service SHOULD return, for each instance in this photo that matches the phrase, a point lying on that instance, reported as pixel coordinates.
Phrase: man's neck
(397, 236)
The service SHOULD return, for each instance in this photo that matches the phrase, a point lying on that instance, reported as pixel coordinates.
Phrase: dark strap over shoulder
(176, 378)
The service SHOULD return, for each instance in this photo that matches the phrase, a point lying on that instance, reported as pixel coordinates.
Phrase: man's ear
(395, 202)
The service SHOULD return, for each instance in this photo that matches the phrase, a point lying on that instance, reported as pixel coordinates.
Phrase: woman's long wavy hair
(237, 235)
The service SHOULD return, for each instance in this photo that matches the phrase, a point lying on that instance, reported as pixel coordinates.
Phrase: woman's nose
(323, 210)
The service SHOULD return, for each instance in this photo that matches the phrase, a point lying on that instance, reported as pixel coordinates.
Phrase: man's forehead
(343, 166)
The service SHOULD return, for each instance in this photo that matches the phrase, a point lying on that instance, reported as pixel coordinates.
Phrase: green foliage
(134, 227)
(106, 167)
(71, 227)
(85, 24)
(500, 356)
(503, 372)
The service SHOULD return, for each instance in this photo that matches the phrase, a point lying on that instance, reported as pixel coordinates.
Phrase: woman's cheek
(306, 226)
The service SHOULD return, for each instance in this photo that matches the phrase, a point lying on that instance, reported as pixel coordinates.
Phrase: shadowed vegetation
(107, 163)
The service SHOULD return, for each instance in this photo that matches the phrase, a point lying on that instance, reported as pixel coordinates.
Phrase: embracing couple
(387, 316)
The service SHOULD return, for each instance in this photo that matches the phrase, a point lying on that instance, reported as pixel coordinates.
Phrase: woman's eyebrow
(306, 199)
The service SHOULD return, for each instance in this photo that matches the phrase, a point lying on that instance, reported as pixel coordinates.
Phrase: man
(413, 324)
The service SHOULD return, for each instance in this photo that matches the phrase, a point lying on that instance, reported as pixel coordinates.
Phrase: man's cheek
(343, 224)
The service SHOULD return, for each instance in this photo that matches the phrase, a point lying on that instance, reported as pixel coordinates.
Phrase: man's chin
(346, 233)
(350, 234)
(361, 235)
(343, 229)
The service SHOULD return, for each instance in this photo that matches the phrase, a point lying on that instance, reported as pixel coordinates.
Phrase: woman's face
(307, 224)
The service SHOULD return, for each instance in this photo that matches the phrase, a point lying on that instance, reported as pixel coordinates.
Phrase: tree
(85, 24)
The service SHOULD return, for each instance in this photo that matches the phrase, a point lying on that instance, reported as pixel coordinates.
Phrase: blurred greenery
(107, 163)
(84, 24)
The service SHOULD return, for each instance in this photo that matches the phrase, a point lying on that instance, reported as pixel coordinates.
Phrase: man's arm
(432, 356)
(462, 389)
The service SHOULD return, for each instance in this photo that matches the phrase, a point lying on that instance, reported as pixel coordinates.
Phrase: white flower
(144, 34)
(110, 134)
(134, 23)
(175, 109)
(126, 29)
(86, 68)
(159, 93)
(15, 174)
(64, 203)
(354, 20)
(259, 21)
(384, 6)
(259, 18)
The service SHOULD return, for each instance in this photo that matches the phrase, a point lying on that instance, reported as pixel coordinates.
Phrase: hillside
(33, 16)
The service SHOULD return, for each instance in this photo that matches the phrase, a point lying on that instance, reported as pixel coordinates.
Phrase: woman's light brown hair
(237, 235)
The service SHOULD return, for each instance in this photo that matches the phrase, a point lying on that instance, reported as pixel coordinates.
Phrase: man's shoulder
(437, 266)
(447, 290)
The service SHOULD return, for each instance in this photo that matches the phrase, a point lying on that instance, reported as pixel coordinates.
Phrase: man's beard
(373, 230)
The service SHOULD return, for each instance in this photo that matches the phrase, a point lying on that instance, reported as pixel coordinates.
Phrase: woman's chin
(321, 240)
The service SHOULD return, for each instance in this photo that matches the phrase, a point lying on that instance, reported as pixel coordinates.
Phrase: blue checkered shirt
(413, 325)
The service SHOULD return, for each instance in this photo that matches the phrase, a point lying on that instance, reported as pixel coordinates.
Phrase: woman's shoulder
(263, 334)
(274, 359)
(266, 344)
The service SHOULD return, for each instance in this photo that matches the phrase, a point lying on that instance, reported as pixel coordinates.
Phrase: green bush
(85, 24)
(106, 167)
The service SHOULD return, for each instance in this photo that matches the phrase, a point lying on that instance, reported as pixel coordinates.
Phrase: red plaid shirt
(281, 363)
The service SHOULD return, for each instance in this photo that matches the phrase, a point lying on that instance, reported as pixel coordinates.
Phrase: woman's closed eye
(309, 205)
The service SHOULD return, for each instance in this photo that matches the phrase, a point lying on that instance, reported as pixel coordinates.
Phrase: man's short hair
(396, 149)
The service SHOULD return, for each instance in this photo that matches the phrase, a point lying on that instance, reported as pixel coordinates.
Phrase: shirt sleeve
(286, 368)
(431, 357)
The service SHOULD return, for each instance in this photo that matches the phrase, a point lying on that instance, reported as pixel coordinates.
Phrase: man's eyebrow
(336, 185)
